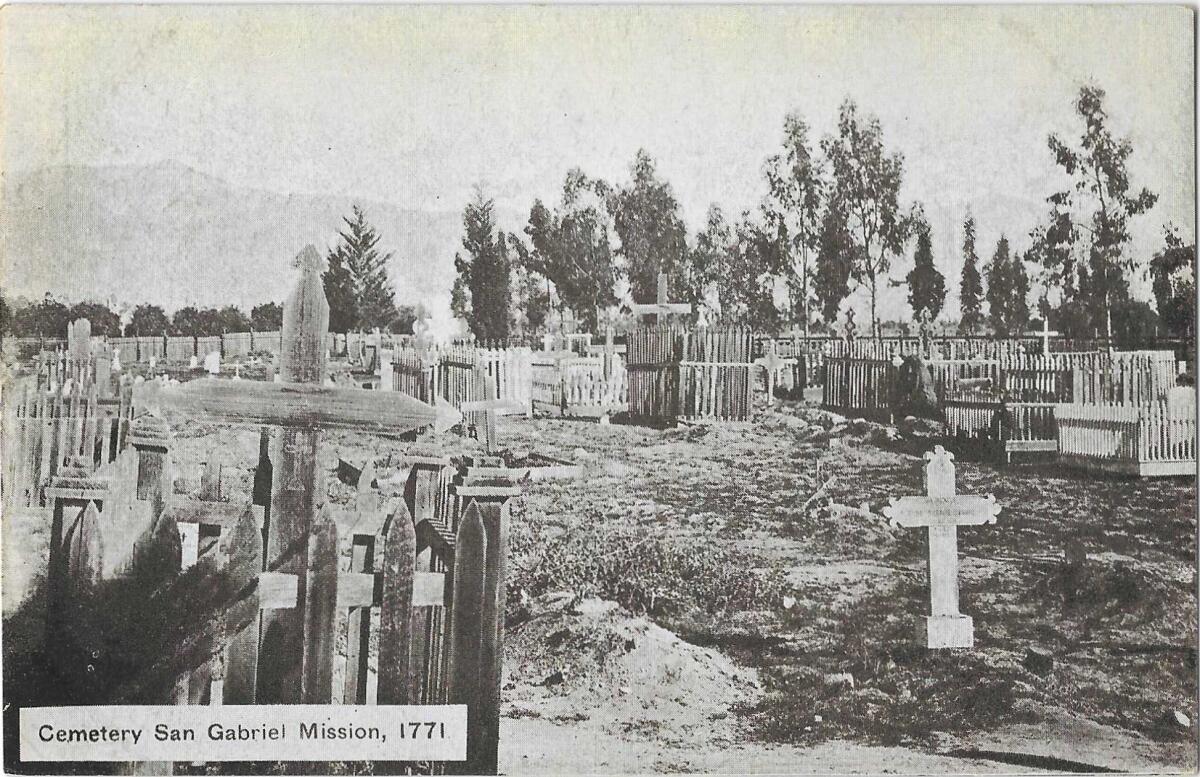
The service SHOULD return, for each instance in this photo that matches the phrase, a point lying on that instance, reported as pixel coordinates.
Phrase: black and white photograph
(598, 389)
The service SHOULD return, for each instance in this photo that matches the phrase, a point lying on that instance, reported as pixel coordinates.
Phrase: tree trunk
(874, 319)
(804, 293)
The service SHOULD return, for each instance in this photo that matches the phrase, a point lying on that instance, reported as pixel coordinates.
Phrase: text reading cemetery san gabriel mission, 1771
(215, 733)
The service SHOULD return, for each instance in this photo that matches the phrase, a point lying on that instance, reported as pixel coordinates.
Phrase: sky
(416, 105)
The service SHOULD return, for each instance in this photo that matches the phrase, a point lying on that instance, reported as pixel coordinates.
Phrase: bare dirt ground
(716, 598)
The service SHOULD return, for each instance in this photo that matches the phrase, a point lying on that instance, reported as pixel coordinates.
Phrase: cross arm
(297, 405)
(661, 308)
(365, 589)
(502, 406)
(912, 511)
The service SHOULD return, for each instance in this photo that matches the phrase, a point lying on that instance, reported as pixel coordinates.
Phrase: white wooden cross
(942, 511)
(660, 306)
(772, 362)
(1045, 334)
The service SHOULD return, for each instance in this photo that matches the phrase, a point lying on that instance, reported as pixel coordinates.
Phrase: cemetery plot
(761, 582)
(736, 540)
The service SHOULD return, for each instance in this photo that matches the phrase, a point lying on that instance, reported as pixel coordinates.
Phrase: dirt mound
(592, 661)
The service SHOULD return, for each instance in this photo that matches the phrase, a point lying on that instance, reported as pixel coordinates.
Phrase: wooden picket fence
(431, 566)
(1148, 440)
(511, 370)
(578, 385)
(412, 373)
(857, 386)
(866, 386)
(693, 374)
(44, 429)
(458, 374)
(1008, 427)
(591, 388)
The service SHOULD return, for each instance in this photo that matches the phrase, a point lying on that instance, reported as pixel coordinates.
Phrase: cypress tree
(926, 284)
(483, 272)
(970, 288)
(1008, 287)
(357, 286)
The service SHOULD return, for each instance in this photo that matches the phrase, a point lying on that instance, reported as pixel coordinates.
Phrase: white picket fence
(1147, 440)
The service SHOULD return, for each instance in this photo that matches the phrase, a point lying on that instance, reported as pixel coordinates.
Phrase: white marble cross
(943, 511)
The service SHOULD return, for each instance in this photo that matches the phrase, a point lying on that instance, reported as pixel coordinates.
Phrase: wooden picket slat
(396, 672)
(466, 630)
(320, 611)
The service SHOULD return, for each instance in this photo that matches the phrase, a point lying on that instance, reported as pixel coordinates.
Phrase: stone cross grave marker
(420, 330)
(925, 333)
(79, 340)
(660, 308)
(943, 511)
(292, 657)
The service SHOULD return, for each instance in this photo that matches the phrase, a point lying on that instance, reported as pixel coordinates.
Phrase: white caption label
(299, 732)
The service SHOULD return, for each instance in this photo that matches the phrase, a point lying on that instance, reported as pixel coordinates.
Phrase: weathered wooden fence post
(490, 506)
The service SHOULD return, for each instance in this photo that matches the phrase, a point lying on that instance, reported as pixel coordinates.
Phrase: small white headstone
(116, 359)
(193, 363)
(153, 362)
(385, 374)
(212, 363)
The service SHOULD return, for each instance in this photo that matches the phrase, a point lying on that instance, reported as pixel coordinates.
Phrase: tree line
(49, 317)
(832, 224)
(360, 294)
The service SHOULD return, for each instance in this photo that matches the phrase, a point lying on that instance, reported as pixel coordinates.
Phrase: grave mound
(593, 661)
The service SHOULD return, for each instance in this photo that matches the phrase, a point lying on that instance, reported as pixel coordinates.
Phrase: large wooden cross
(660, 307)
(943, 511)
(1046, 333)
(303, 407)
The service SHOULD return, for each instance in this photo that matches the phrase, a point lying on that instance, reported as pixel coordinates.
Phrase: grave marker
(1045, 333)
(660, 307)
(772, 362)
(294, 657)
(491, 409)
(943, 511)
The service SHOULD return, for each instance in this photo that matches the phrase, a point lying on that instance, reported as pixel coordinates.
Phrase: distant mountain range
(171, 235)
